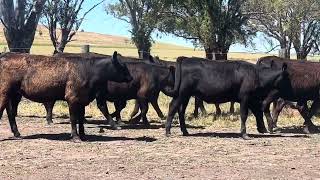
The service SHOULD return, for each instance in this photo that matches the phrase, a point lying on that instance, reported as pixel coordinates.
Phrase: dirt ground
(45, 152)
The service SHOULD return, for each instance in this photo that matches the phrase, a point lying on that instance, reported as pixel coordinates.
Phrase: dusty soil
(45, 152)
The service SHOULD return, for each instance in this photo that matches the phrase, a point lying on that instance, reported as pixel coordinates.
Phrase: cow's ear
(284, 66)
(115, 58)
(172, 69)
(272, 63)
(151, 59)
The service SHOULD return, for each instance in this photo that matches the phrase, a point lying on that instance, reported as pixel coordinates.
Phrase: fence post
(85, 48)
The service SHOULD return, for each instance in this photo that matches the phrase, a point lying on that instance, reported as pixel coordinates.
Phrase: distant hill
(94, 39)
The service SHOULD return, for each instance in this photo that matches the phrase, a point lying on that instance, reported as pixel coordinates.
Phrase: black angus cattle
(45, 79)
(220, 82)
(158, 61)
(148, 81)
(303, 85)
(89, 56)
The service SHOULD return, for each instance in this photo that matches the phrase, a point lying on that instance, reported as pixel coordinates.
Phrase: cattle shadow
(127, 126)
(237, 135)
(216, 117)
(54, 117)
(296, 130)
(89, 138)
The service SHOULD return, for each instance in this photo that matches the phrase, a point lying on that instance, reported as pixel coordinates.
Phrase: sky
(100, 22)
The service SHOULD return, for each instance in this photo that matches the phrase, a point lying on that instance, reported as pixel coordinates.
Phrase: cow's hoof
(101, 130)
(120, 123)
(185, 134)
(116, 127)
(146, 124)
(310, 129)
(306, 130)
(276, 129)
(49, 123)
(246, 137)
(263, 130)
(76, 139)
(163, 118)
(168, 134)
(17, 135)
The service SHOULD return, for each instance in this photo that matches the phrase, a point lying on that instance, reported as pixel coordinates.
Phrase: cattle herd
(78, 79)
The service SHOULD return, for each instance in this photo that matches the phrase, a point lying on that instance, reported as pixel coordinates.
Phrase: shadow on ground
(237, 135)
(296, 130)
(89, 138)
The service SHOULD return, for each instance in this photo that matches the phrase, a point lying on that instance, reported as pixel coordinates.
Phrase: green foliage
(212, 24)
(142, 15)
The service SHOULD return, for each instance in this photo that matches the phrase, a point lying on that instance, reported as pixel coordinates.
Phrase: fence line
(6, 48)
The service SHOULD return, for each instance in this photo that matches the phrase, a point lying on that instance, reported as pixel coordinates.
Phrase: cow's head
(273, 75)
(119, 70)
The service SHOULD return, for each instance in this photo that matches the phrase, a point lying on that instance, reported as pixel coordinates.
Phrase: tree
(272, 19)
(305, 26)
(64, 15)
(20, 20)
(143, 16)
(290, 22)
(212, 24)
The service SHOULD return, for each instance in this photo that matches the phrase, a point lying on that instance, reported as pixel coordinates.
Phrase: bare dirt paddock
(209, 153)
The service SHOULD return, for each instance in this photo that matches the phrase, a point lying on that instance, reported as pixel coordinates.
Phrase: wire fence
(234, 55)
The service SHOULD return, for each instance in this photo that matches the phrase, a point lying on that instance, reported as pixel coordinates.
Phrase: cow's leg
(244, 116)
(231, 107)
(157, 108)
(278, 105)
(81, 122)
(303, 109)
(258, 113)
(218, 110)
(143, 103)
(309, 126)
(202, 108)
(101, 103)
(49, 107)
(135, 109)
(182, 121)
(74, 111)
(266, 109)
(3, 104)
(198, 103)
(15, 102)
(173, 108)
(119, 105)
(12, 120)
(196, 107)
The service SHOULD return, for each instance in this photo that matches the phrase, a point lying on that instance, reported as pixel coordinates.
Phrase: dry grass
(288, 117)
(106, 44)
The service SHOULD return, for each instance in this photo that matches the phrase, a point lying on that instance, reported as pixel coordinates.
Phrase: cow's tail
(177, 80)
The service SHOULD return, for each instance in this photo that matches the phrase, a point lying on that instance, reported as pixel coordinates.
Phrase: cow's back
(304, 77)
(217, 81)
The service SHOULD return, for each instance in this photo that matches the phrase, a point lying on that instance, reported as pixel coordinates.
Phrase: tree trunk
(286, 46)
(209, 53)
(19, 40)
(301, 55)
(18, 30)
(221, 54)
(143, 54)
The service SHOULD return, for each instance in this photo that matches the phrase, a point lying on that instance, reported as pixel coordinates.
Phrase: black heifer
(148, 81)
(220, 82)
(46, 79)
(303, 85)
